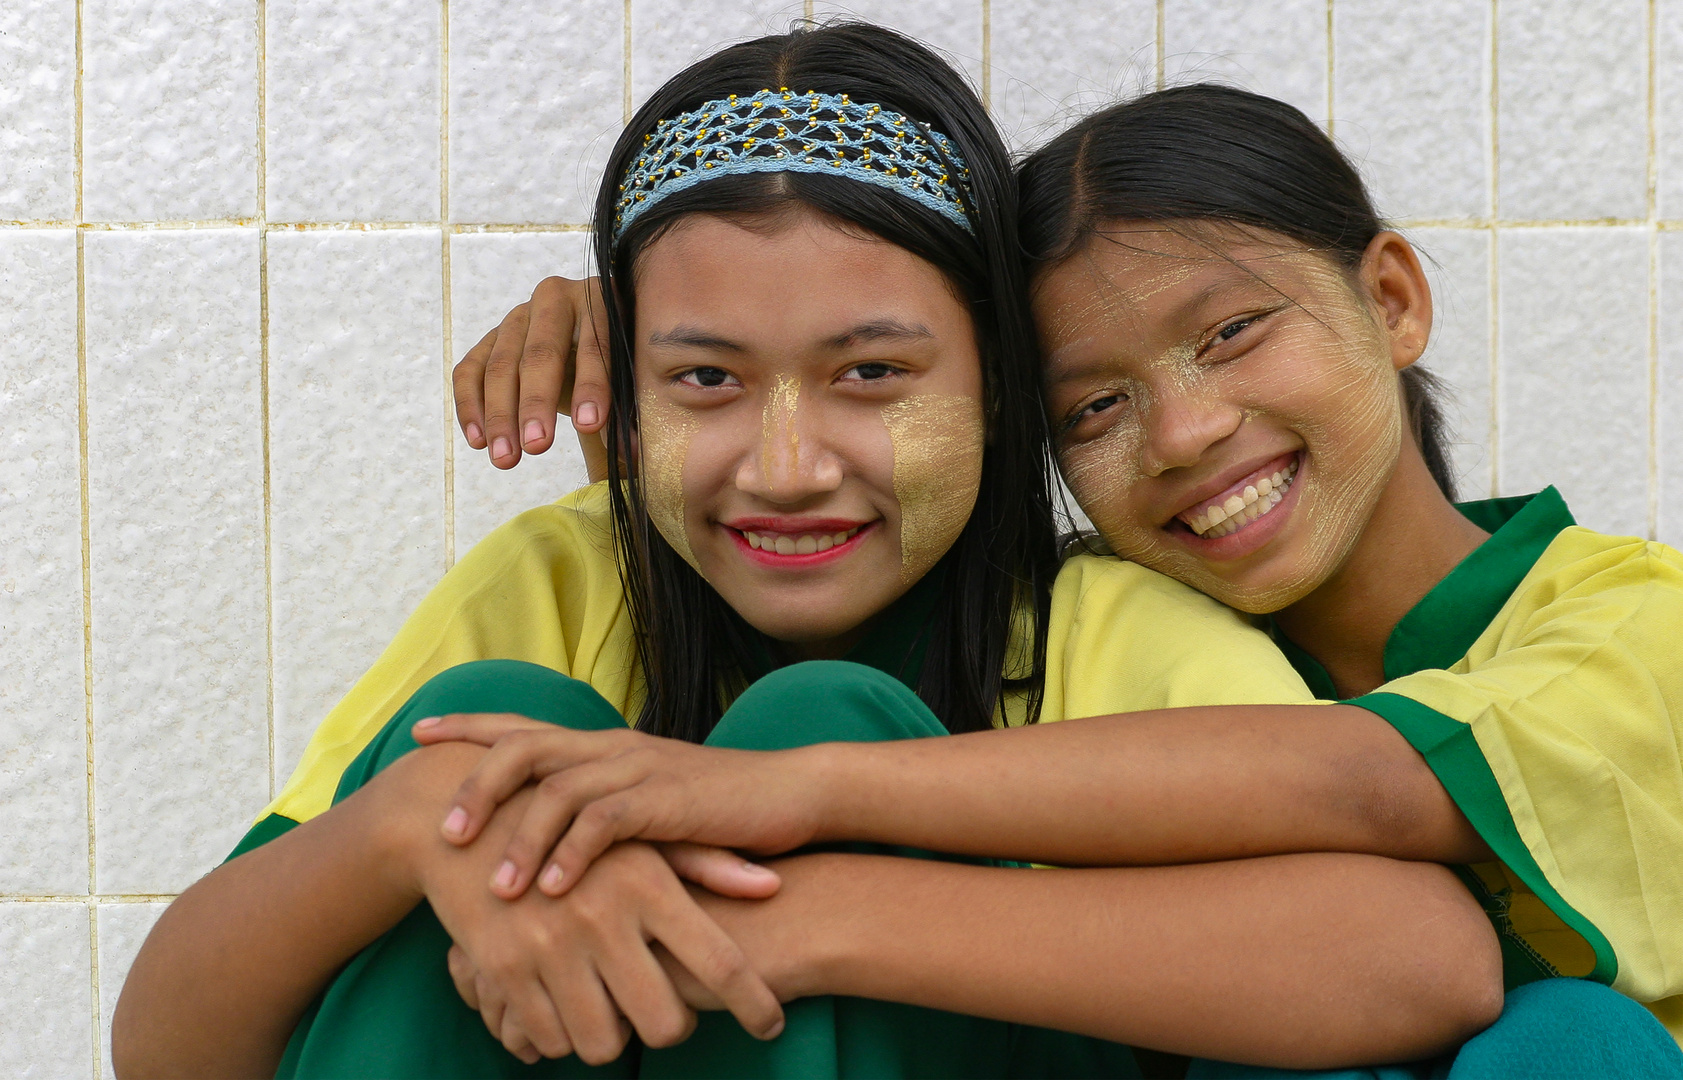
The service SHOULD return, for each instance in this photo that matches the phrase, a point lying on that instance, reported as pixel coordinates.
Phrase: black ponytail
(1217, 153)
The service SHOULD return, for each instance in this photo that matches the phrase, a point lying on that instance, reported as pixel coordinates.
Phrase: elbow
(1453, 988)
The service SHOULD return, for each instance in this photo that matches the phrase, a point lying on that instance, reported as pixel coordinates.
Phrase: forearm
(1172, 786)
(231, 965)
(1305, 961)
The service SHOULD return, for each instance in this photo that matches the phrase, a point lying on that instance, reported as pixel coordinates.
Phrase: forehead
(796, 272)
(1141, 281)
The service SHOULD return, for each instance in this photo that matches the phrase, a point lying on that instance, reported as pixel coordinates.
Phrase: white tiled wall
(242, 242)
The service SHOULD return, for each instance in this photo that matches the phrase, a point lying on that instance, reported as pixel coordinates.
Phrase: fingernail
(427, 722)
(534, 432)
(775, 1030)
(505, 875)
(586, 414)
(475, 433)
(551, 878)
(758, 871)
(502, 447)
(456, 823)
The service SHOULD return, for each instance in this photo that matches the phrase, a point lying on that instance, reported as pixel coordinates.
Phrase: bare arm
(1302, 961)
(231, 965)
(1137, 789)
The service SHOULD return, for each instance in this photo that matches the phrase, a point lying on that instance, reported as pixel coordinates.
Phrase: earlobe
(1398, 287)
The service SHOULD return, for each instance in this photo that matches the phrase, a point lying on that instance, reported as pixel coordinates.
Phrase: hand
(547, 357)
(553, 977)
(596, 788)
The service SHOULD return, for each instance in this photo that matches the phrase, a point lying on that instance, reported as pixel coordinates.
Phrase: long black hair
(1214, 152)
(696, 652)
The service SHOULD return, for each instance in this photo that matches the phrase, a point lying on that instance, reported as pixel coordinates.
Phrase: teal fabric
(394, 1012)
(1559, 1029)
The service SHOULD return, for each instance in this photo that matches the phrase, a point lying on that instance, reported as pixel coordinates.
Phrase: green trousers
(394, 1011)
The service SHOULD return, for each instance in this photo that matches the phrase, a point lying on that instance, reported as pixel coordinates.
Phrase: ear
(1395, 283)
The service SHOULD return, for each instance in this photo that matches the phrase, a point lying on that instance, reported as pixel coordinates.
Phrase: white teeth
(804, 544)
(1239, 510)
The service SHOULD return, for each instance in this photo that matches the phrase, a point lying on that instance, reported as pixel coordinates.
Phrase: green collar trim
(1440, 629)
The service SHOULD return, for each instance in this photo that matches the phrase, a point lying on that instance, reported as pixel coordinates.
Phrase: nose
(1181, 428)
(791, 460)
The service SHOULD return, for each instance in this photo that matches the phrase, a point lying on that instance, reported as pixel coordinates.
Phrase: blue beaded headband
(781, 131)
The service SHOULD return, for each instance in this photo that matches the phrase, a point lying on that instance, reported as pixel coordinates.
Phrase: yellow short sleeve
(542, 588)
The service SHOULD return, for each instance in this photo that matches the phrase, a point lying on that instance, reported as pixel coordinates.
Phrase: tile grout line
(1330, 54)
(88, 900)
(1162, 61)
(444, 254)
(1664, 224)
(95, 1034)
(1493, 328)
(1652, 195)
(263, 374)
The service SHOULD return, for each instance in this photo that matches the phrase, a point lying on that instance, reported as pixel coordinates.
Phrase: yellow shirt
(544, 588)
(1543, 682)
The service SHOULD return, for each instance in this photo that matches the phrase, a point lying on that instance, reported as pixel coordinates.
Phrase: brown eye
(707, 377)
(872, 372)
(1233, 329)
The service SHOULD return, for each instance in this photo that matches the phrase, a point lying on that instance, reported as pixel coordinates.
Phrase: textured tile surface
(1458, 263)
(122, 930)
(170, 99)
(1054, 64)
(353, 110)
(1412, 104)
(1668, 103)
(46, 1027)
(38, 109)
(357, 429)
(953, 28)
(1277, 48)
(43, 769)
(1572, 92)
(669, 35)
(532, 114)
(1669, 412)
(180, 649)
(1573, 371)
(490, 273)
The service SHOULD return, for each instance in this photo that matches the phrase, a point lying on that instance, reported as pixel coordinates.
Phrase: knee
(1567, 1026)
(824, 701)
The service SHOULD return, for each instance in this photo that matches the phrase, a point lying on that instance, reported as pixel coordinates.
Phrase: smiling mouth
(806, 543)
(1256, 500)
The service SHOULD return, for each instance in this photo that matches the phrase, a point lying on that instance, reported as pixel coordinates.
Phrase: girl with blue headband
(832, 448)
(1230, 335)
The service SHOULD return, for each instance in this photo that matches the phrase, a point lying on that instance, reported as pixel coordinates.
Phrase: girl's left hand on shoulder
(596, 788)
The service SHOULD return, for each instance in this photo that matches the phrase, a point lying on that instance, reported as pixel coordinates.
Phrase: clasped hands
(587, 930)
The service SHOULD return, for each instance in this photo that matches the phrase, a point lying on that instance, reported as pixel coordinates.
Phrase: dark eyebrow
(878, 330)
(690, 337)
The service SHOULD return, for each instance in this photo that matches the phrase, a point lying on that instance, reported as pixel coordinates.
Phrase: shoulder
(571, 537)
(1597, 585)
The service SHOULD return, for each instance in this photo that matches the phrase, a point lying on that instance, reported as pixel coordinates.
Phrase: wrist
(408, 802)
(826, 776)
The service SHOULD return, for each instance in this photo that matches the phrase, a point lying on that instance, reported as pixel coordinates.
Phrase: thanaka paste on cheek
(937, 440)
(664, 432)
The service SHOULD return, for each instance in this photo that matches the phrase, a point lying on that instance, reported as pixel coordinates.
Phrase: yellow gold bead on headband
(832, 134)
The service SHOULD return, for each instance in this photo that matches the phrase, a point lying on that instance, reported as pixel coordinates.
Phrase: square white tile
(46, 991)
(1572, 120)
(353, 110)
(1572, 380)
(669, 35)
(43, 710)
(1053, 65)
(38, 110)
(1668, 107)
(169, 92)
(1411, 104)
(533, 114)
(1278, 48)
(490, 273)
(180, 601)
(357, 428)
(1668, 448)
(1457, 263)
